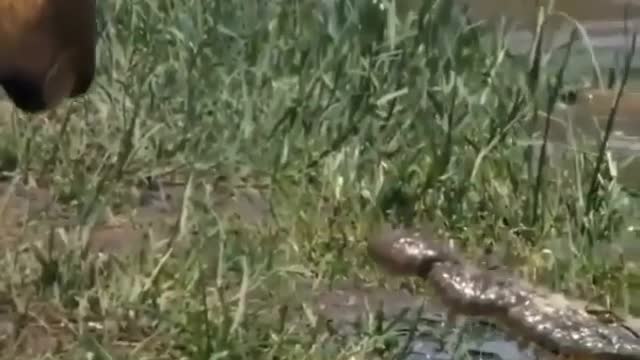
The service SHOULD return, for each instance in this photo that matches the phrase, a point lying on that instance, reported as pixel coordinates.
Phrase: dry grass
(282, 134)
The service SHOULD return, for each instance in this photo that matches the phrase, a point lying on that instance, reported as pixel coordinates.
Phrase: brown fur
(47, 50)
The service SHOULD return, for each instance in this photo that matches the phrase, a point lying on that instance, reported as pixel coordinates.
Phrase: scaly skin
(47, 50)
(549, 320)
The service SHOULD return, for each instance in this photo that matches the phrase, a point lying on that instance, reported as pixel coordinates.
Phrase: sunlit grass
(342, 118)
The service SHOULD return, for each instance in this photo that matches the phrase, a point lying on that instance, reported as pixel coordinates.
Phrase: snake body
(534, 315)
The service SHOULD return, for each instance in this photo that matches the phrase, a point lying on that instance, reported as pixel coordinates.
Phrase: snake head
(407, 252)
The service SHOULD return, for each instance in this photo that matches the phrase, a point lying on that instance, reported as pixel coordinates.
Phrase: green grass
(342, 123)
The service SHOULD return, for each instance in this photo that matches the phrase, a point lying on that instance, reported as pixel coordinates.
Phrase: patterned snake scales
(548, 320)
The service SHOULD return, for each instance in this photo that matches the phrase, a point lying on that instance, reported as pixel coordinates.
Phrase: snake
(534, 315)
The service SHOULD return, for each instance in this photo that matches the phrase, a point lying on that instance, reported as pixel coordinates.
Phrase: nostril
(24, 93)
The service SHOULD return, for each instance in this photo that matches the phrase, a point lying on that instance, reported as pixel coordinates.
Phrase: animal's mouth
(33, 94)
(25, 93)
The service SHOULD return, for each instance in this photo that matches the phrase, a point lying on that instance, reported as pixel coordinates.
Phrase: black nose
(26, 94)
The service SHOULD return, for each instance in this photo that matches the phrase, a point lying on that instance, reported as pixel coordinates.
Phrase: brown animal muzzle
(24, 92)
(47, 51)
(67, 78)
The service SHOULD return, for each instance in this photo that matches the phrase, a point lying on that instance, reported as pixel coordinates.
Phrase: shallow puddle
(347, 308)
